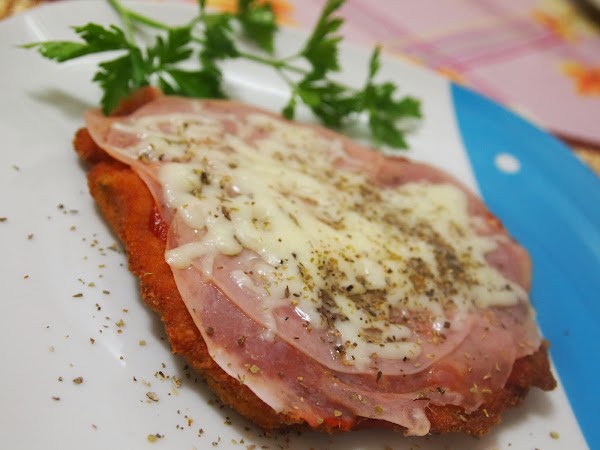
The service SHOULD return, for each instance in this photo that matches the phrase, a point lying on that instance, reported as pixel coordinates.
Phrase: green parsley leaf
(119, 78)
(385, 112)
(219, 42)
(96, 39)
(330, 101)
(289, 111)
(321, 50)
(384, 131)
(175, 48)
(381, 97)
(103, 39)
(60, 50)
(258, 22)
(374, 63)
(197, 83)
(408, 107)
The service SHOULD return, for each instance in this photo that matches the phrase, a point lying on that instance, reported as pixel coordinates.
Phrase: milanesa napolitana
(314, 282)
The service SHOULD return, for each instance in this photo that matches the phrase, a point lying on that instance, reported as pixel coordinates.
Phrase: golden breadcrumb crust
(129, 208)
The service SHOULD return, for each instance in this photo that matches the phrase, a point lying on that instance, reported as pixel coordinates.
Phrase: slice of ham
(283, 360)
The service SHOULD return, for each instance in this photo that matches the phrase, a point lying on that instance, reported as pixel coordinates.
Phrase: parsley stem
(275, 63)
(144, 20)
(124, 13)
(129, 15)
(284, 76)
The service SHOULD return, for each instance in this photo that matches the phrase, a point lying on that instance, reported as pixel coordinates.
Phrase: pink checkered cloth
(539, 57)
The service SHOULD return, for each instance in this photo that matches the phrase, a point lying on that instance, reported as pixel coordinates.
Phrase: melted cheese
(348, 255)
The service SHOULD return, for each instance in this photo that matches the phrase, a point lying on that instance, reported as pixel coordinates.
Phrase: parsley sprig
(210, 38)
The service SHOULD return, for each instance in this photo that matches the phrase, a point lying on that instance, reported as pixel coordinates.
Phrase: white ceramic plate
(71, 308)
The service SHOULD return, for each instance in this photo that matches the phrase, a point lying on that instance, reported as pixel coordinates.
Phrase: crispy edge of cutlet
(129, 208)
